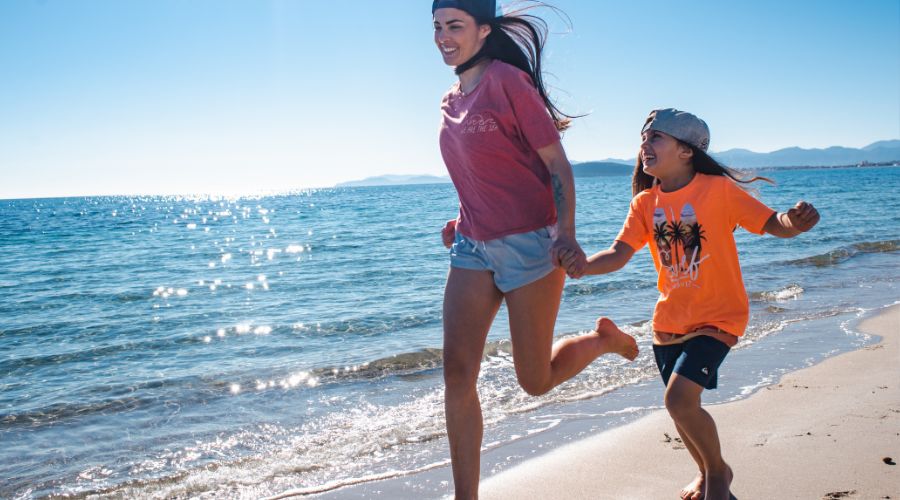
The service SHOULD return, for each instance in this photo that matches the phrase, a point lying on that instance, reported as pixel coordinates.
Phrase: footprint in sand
(838, 494)
(679, 445)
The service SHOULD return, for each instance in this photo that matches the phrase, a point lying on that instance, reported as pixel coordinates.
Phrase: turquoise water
(181, 347)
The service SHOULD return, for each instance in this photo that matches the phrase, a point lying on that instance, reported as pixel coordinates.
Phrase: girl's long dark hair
(518, 39)
(702, 163)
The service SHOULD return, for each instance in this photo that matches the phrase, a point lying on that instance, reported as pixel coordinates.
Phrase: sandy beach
(824, 432)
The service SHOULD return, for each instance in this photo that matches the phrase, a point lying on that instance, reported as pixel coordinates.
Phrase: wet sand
(828, 431)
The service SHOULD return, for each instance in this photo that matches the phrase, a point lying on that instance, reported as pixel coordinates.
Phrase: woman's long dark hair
(702, 163)
(518, 39)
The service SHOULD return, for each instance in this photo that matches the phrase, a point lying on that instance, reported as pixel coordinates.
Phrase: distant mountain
(396, 180)
(583, 169)
(882, 151)
(601, 169)
(623, 162)
(878, 152)
(883, 144)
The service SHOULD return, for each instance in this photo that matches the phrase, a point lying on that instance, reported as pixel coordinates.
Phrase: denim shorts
(515, 260)
(697, 359)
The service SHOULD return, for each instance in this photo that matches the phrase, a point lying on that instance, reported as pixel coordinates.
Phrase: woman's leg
(540, 365)
(698, 427)
(471, 302)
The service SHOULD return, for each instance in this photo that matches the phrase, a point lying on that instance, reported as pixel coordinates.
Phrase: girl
(686, 207)
(499, 138)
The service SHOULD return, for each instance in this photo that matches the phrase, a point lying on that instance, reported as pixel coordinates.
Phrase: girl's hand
(803, 216)
(567, 253)
(448, 234)
(574, 262)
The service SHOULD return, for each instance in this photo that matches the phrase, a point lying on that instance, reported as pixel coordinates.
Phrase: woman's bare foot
(694, 490)
(718, 486)
(616, 341)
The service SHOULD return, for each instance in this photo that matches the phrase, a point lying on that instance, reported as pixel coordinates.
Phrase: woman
(500, 141)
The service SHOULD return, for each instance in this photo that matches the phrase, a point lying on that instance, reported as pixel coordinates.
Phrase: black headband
(482, 10)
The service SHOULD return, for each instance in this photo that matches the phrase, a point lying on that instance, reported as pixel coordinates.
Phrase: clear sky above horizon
(236, 96)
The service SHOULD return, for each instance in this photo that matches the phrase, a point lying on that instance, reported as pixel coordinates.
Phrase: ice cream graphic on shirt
(679, 240)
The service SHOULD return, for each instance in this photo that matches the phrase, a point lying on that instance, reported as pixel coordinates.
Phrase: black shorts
(698, 359)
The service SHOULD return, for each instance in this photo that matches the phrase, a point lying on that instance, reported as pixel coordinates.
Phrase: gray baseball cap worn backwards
(681, 125)
(482, 10)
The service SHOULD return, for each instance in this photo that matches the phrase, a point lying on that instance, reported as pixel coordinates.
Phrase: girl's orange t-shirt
(691, 237)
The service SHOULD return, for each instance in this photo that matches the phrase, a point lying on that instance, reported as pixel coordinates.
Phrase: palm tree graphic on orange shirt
(661, 234)
(678, 236)
(696, 234)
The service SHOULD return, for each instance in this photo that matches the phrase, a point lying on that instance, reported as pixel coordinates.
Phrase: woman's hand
(448, 234)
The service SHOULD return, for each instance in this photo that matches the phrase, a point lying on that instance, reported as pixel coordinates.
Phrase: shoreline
(818, 432)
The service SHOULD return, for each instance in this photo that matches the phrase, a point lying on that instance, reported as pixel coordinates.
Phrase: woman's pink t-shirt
(489, 140)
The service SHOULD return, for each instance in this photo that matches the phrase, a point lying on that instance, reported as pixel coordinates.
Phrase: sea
(249, 347)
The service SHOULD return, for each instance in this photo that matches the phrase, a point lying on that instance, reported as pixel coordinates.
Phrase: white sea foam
(789, 292)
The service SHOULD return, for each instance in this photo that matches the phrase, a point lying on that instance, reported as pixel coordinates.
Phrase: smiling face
(663, 156)
(457, 35)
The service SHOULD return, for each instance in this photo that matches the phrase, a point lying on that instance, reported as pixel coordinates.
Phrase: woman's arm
(799, 219)
(563, 182)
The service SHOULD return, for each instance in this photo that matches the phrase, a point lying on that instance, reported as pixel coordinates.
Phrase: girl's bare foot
(718, 486)
(616, 341)
(694, 490)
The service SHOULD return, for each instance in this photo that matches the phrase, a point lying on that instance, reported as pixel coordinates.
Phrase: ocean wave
(92, 353)
(18, 331)
(111, 399)
(119, 398)
(367, 325)
(842, 254)
(41, 298)
(582, 288)
(120, 343)
(405, 365)
(764, 327)
(789, 292)
(62, 411)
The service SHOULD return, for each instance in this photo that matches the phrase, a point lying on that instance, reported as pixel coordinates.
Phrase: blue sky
(235, 96)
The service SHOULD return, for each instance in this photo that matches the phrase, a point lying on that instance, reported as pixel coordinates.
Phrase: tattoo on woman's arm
(559, 195)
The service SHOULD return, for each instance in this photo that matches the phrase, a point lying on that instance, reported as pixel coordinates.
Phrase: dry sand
(820, 433)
